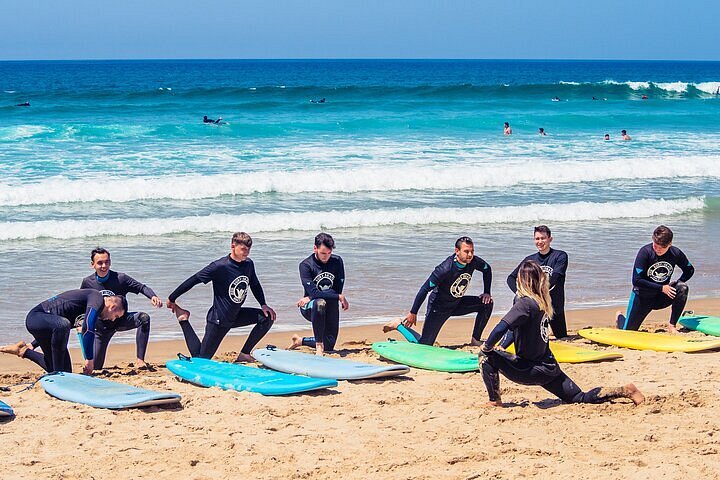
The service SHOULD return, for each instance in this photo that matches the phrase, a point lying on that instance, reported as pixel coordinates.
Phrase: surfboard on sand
(659, 342)
(702, 323)
(324, 367)
(101, 393)
(427, 357)
(233, 376)
(567, 353)
(6, 410)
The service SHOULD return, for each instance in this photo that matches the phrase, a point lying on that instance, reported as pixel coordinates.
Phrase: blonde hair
(532, 282)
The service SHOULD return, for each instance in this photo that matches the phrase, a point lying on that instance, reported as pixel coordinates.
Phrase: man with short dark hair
(652, 285)
(554, 263)
(323, 278)
(447, 285)
(231, 277)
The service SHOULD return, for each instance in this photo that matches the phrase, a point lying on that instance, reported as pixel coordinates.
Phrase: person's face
(465, 253)
(660, 250)
(322, 253)
(542, 242)
(101, 264)
(113, 310)
(239, 252)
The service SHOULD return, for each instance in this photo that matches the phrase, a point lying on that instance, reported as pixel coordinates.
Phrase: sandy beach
(422, 425)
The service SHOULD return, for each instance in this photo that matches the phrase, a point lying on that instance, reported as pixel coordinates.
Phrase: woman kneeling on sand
(534, 363)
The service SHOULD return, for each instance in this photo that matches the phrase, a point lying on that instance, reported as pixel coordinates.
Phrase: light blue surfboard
(324, 367)
(233, 376)
(6, 410)
(101, 393)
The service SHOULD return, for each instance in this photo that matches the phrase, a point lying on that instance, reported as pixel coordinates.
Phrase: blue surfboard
(233, 376)
(324, 367)
(101, 393)
(6, 410)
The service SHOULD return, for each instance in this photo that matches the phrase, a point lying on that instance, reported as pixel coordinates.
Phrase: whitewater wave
(336, 219)
(59, 190)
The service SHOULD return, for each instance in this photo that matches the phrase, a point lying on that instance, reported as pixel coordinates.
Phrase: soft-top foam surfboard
(6, 410)
(324, 367)
(702, 323)
(101, 393)
(566, 353)
(660, 342)
(427, 357)
(233, 376)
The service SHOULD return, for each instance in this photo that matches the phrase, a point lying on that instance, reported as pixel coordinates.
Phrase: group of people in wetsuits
(99, 309)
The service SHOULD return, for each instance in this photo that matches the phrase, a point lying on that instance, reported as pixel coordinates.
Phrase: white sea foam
(18, 132)
(360, 179)
(329, 220)
(675, 87)
(708, 87)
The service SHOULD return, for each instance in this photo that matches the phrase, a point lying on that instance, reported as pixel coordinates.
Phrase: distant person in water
(24, 104)
(644, 97)
(541, 131)
(322, 100)
(323, 277)
(556, 99)
(533, 362)
(506, 129)
(625, 135)
(210, 120)
(447, 286)
(607, 136)
(594, 98)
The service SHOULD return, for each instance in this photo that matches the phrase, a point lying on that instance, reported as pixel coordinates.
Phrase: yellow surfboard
(566, 353)
(660, 342)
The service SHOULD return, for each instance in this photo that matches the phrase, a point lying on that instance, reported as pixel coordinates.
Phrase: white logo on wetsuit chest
(545, 328)
(238, 289)
(660, 271)
(460, 285)
(107, 293)
(324, 281)
(547, 269)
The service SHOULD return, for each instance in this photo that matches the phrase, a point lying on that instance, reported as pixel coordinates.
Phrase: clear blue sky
(559, 29)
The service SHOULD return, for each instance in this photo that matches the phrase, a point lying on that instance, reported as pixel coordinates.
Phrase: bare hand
(669, 291)
(156, 302)
(486, 298)
(343, 302)
(88, 367)
(303, 301)
(269, 312)
(410, 320)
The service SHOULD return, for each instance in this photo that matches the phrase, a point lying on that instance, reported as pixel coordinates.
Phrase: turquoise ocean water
(402, 158)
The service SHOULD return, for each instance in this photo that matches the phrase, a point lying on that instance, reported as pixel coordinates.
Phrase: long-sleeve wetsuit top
(449, 282)
(322, 280)
(72, 304)
(230, 281)
(554, 264)
(531, 328)
(115, 283)
(651, 271)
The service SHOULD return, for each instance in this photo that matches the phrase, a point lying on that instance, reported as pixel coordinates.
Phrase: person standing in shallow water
(507, 130)
(534, 363)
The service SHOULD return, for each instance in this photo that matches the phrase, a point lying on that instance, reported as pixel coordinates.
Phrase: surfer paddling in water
(534, 363)
(447, 286)
(232, 276)
(323, 277)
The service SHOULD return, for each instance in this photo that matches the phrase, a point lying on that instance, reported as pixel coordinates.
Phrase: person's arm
(512, 279)
(686, 267)
(134, 286)
(487, 276)
(85, 283)
(256, 288)
(559, 269)
(339, 283)
(640, 266)
(496, 335)
(311, 289)
(517, 315)
(425, 288)
(184, 288)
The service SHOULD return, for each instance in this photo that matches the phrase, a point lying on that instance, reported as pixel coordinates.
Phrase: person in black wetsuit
(448, 284)
(652, 285)
(323, 277)
(554, 263)
(50, 323)
(231, 277)
(210, 120)
(533, 362)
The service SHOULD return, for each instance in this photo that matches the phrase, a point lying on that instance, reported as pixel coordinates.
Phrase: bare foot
(181, 314)
(295, 342)
(672, 328)
(319, 349)
(390, 326)
(476, 343)
(632, 392)
(15, 349)
(495, 403)
(244, 358)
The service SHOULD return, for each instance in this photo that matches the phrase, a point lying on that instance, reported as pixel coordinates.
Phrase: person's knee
(681, 289)
(320, 305)
(142, 320)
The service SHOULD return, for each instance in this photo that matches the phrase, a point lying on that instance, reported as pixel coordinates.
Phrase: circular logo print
(460, 285)
(660, 271)
(324, 281)
(545, 328)
(238, 289)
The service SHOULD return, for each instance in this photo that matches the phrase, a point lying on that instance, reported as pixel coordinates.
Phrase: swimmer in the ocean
(210, 120)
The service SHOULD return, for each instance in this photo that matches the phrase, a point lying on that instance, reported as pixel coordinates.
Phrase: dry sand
(426, 425)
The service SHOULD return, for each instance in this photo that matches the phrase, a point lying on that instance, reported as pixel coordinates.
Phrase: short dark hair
(242, 238)
(98, 251)
(663, 236)
(326, 239)
(542, 229)
(623, 132)
(462, 240)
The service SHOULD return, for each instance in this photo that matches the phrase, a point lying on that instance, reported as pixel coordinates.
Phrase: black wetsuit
(51, 321)
(323, 283)
(650, 273)
(448, 284)
(231, 281)
(554, 264)
(533, 362)
(120, 284)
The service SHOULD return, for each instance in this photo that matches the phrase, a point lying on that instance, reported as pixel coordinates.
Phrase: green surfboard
(702, 323)
(427, 357)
